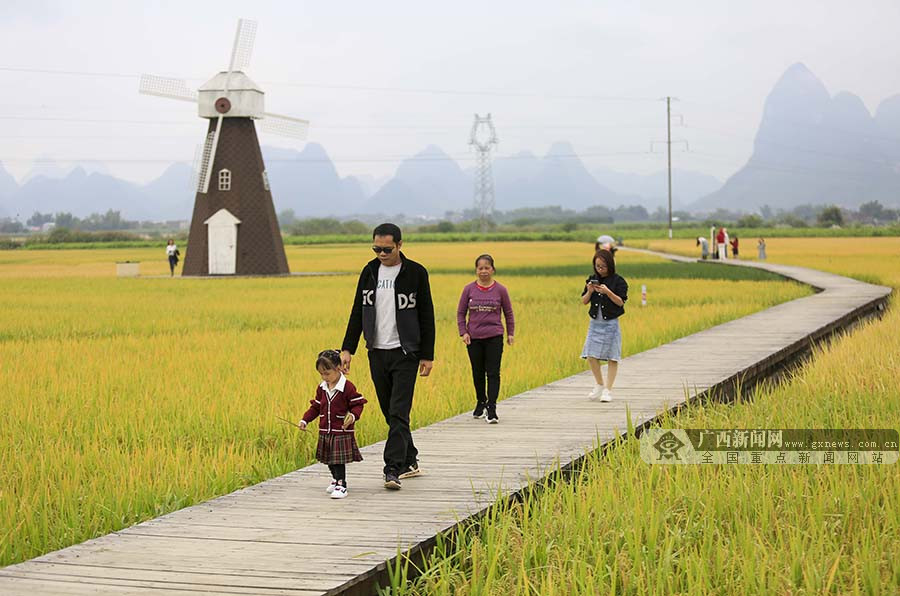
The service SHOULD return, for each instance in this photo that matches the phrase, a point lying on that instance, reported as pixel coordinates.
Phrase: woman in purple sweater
(484, 299)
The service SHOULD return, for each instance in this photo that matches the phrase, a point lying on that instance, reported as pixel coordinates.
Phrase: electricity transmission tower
(483, 138)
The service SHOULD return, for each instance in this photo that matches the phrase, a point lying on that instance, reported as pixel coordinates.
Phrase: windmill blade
(243, 45)
(198, 166)
(209, 155)
(284, 125)
(204, 163)
(166, 87)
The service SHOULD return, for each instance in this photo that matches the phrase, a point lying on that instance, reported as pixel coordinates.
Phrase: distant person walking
(172, 253)
(483, 300)
(761, 249)
(734, 247)
(394, 312)
(721, 239)
(703, 243)
(606, 292)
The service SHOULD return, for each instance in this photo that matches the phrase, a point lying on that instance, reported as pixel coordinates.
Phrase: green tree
(830, 216)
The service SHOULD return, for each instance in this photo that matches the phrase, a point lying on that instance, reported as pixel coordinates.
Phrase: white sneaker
(605, 395)
(595, 393)
(339, 492)
(331, 486)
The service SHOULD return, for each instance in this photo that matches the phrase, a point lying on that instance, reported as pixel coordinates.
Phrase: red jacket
(720, 237)
(331, 410)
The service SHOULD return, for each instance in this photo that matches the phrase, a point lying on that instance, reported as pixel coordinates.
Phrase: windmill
(234, 229)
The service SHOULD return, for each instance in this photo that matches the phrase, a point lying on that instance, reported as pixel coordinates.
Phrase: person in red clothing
(734, 247)
(483, 300)
(721, 240)
(337, 405)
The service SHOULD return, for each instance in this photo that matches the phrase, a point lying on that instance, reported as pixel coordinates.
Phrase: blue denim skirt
(604, 340)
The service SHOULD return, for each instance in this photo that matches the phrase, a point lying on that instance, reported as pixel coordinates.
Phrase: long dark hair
(608, 258)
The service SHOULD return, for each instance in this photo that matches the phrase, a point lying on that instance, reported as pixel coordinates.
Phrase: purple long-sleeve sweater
(484, 306)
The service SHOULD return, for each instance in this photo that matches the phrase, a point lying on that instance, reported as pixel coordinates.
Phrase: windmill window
(224, 179)
(265, 176)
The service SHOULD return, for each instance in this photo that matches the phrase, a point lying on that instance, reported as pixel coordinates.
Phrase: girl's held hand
(302, 424)
(467, 339)
(349, 419)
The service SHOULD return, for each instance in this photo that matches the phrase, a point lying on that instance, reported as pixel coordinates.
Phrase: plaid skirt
(337, 448)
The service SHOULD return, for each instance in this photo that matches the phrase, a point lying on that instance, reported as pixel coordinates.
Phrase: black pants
(485, 355)
(173, 260)
(394, 376)
(339, 472)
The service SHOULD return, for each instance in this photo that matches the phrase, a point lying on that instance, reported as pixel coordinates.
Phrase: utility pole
(669, 143)
(484, 177)
(669, 146)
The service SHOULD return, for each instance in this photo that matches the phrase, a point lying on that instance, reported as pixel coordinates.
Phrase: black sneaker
(391, 481)
(492, 415)
(410, 471)
(479, 411)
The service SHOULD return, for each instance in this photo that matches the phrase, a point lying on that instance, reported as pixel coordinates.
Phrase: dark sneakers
(479, 411)
(492, 415)
(411, 471)
(391, 481)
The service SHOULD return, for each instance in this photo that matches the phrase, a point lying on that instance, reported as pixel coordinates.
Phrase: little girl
(338, 406)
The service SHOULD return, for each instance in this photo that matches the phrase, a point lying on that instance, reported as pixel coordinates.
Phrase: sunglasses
(383, 249)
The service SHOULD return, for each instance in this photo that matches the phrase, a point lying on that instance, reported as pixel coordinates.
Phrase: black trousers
(394, 376)
(485, 356)
(339, 472)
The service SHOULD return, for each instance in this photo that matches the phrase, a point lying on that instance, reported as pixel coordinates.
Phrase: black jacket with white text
(413, 304)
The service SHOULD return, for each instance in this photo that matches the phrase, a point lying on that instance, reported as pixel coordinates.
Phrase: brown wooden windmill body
(234, 229)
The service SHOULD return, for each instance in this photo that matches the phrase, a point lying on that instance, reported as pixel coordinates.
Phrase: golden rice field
(124, 399)
(624, 527)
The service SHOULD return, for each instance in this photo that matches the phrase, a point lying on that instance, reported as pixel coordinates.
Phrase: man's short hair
(388, 229)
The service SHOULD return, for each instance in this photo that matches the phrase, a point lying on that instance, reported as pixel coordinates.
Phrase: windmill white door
(222, 242)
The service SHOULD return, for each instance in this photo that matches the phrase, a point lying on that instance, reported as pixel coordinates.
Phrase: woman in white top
(172, 253)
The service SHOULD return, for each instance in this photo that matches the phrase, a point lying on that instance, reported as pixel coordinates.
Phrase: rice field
(625, 527)
(125, 399)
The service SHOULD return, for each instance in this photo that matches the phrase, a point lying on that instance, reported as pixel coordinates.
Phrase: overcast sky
(381, 80)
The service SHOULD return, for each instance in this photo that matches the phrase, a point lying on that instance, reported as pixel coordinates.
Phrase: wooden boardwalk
(284, 536)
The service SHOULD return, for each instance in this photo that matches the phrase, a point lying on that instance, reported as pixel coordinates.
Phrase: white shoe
(339, 492)
(595, 393)
(331, 486)
(605, 395)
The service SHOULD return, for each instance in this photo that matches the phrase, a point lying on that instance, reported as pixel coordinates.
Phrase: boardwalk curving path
(281, 536)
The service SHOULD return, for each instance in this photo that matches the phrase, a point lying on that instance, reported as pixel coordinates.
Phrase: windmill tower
(234, 229)
(484, 177)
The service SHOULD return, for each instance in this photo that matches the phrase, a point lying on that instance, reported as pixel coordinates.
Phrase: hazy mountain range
(815, 148)
(428, 183)
(810, 148)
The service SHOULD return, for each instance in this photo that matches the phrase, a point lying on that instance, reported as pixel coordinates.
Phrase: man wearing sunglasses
(393, 310)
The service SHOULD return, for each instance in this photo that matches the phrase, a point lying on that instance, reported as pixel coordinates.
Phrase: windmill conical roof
(237, 82)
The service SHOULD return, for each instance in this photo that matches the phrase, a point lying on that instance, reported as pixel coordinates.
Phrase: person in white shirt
(173, 254)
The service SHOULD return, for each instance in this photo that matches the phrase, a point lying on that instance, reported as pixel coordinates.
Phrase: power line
(483, 93)
(459, 157)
